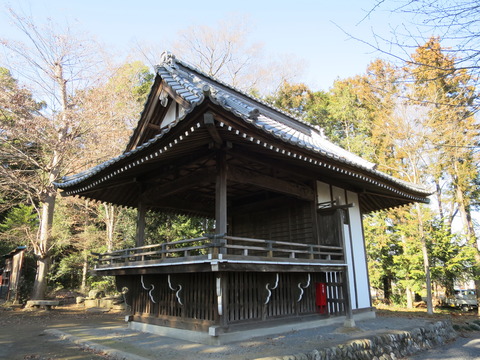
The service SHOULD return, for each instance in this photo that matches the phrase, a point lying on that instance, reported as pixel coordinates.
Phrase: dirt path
(22, 333)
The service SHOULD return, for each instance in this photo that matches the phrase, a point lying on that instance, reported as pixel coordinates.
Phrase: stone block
(92, 303)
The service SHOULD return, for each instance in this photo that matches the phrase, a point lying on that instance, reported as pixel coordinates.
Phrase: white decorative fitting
(177, 291)
(301, 287)
(148, 289)
(219, 295)
(267, 300)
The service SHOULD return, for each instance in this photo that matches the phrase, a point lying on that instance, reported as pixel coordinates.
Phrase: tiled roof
(195, 86)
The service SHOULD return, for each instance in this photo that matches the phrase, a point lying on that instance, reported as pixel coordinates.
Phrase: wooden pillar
(314, 209)
(140, 234)
(349, 321)
(221, 194)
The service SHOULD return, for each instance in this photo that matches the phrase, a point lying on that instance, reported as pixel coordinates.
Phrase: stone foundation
(390, 346)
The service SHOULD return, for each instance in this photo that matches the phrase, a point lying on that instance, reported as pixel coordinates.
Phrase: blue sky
(307, 29)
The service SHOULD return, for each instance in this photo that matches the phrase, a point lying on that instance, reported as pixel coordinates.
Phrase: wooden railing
(174, 249)
(280, 249)
(224, 247)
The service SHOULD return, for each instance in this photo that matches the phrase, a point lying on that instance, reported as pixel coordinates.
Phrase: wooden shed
(287, 205)
(10, 278)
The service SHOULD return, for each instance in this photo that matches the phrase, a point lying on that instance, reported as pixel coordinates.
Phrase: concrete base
(349, 323)
(212, 337)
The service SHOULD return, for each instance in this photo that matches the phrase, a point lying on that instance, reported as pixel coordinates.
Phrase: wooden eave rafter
(147, 113)
(209, 121)
(270, 183)
(180, 184)
(298, 166)
(177, 98)
(179, 204)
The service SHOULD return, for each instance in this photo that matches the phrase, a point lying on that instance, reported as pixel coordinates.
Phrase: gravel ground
(151, 346)
(46, 335)
(466, 347)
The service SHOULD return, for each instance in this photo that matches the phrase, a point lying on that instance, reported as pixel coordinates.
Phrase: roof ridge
(170, 59)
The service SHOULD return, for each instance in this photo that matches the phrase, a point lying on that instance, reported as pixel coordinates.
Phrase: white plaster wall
(170, 115)
(323, 192)
(358, 249)
(338, 194)
(350, 262)
(354, 243)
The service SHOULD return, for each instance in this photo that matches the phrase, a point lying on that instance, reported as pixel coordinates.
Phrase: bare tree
(57, 64)
(224, 50)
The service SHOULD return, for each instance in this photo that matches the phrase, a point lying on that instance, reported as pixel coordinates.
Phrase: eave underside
(178, 173)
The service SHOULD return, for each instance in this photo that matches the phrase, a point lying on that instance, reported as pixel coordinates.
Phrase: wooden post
(221, 194)
(140, 235)
(349, 321)
(314, 209)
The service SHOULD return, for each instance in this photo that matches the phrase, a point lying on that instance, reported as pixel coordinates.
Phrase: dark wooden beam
(196, 178)
(243, 153)
(209, 122)
(154, 127)
(199, 158)
(140, 235)
(221, 194)
(184, 103)
(204, 208)
(145, 120)
(244, 176)
(258, 205)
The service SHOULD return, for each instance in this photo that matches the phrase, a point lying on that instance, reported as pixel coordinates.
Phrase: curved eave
(377, 192)
(272, 130)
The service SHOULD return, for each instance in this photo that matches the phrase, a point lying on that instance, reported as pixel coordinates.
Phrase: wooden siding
(249, 297)
(189, 305)
(330, 227)
(291, 222)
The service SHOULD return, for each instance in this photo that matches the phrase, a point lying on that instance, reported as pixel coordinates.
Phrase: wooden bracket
(209, 122)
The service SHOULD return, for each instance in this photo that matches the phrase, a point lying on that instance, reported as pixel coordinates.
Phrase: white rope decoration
(177, 292)
(149, 289)
(303, 287)
(219, 296)
(269, 289)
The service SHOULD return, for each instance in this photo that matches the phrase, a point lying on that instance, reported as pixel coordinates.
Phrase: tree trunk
(110, 224)
(472, 238)
(387, 289)
(42, 247)
(477, 286)
(83, 287)
(409, 295)
(426, 260)
(40, 285)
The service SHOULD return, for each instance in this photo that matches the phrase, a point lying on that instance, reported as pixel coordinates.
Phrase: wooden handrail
(248, 247)
(329, 247)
